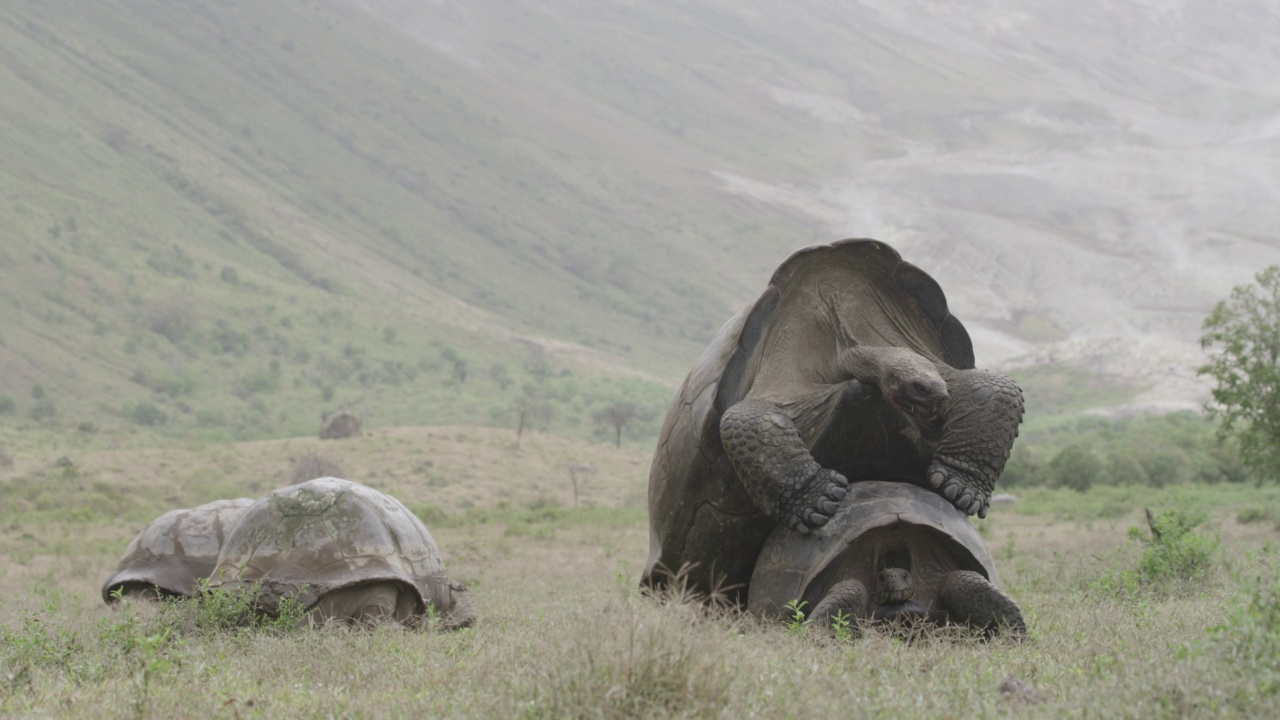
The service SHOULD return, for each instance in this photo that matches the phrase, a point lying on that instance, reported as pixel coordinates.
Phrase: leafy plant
(1176, 556)
(1255, 513)
(1246, 330)
(231, 609)
(1075, 467)
(842, 625)
(1251, 636)
(796, 619)
(148, 414)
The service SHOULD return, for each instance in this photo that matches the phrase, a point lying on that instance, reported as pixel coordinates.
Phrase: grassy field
(563, 630)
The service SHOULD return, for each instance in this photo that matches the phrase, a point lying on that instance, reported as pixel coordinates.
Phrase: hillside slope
(280, 200)
(233, 216)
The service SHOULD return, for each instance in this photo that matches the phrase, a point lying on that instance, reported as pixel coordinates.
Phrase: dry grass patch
(564, 632)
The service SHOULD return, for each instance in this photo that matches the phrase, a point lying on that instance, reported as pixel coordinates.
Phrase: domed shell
(792, 566)
(307, 540)
(700, 516)
(177, 549)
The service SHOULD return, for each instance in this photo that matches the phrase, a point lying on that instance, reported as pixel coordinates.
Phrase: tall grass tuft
(1251, 636)
(641, 659)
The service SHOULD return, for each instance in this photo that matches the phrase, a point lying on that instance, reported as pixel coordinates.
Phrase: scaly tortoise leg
(847, 596)
(776, 467)
(970, 598)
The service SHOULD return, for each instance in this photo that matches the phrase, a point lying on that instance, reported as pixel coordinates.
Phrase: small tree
(1245, 330)
(617, 415)
(579, 474)
(1075, 467)
(530, 407)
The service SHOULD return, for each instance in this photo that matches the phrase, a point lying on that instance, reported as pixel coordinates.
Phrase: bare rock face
(339, 426)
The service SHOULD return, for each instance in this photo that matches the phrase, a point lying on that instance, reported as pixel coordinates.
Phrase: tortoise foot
(958, 489)
(815, 501)
(970, 598)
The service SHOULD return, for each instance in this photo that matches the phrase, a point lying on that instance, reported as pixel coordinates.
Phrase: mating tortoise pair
(341, 549)
(828, 445)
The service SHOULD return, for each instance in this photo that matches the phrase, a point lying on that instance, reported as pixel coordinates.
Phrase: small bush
(216, 610)
(261, 381)
(1257, 513)
(1075, 467)
(148, 414)
(7, 404)
(43, 410)
(1176, 557)
(1251, 637)
(210, 418)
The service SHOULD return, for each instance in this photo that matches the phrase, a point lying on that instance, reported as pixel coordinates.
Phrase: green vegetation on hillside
(232, 218)
(1144, 450)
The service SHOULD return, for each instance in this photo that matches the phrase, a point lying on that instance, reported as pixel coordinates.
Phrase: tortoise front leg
(970, 598)
(977, 435)
(776, 467)
(847, 596)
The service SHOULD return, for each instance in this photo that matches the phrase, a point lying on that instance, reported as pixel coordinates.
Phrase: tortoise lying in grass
(848, 367)
(174, 552)
(891, 551)
(344, 551)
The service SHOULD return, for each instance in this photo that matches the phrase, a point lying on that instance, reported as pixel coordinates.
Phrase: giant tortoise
(343, 551)
(175, 551)
(891, 551)
(849, 367)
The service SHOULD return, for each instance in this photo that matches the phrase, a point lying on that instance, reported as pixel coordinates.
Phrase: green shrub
(1257, 513)
(7, 404)
(265, 380)
(44, 409)
(210, 418)
(1175, 550)
(1075, 467)
(1251, 636)
(1176, 557)
(225, 609)
(148, 414)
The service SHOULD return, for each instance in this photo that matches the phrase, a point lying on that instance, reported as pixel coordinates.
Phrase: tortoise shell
(307, 540)
(878, 525)
(175, 551)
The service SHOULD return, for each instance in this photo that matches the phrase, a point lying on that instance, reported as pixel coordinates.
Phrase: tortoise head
(912, 384)
(893, 586)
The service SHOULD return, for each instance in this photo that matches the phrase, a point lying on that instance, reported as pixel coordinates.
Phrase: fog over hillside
(1084, 181)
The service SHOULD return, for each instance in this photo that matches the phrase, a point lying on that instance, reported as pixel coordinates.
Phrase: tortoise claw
(951, 490)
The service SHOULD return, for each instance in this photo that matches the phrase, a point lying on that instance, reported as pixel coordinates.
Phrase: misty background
(242, 215)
